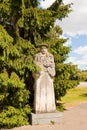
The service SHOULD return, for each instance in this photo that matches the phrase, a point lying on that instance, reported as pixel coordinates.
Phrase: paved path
(82, 85)
(74, 118)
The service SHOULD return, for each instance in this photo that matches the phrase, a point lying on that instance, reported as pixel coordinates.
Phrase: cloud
(71, 59)
(82, 50)
(82, 62)
(80, 57)
(46, 3)
(76, 23)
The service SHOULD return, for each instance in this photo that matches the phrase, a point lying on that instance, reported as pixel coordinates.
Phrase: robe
(44, 97)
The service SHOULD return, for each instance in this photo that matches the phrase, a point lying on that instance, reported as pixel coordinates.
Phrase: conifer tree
(23, 26)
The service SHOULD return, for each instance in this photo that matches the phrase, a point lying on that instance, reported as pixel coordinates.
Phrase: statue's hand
(36, 75)
(51, 72)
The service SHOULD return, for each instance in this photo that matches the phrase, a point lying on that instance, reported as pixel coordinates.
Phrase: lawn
(75, 96)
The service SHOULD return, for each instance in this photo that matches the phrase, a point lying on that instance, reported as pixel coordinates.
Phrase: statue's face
(43, 50)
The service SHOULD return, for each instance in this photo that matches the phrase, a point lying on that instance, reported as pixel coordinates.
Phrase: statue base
(46, 118)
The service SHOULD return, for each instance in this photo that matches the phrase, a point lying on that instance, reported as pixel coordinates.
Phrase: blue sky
(75, 28)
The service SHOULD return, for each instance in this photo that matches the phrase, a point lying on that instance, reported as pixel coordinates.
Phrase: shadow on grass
(60, 107)
(84, 95)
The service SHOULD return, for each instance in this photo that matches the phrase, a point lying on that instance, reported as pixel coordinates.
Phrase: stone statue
(44, 97)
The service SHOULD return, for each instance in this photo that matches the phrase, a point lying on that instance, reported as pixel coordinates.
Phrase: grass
(74, 96)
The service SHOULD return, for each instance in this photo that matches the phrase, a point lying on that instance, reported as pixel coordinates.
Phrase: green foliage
(14, 108)
(65, 79)
(14, 105)
(12, 117)
(23, 26)
(82, 75)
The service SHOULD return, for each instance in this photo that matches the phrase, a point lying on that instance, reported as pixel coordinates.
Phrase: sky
(75, 28)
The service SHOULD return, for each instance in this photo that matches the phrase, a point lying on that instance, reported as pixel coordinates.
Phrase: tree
(24, 25)
(82, 75)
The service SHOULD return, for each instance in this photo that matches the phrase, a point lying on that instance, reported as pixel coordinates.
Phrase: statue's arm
(51, 71)
(51, 68)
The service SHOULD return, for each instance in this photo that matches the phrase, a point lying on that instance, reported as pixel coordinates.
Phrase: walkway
(74, 118)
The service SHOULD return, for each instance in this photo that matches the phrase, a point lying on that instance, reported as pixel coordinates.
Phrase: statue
(44, 97)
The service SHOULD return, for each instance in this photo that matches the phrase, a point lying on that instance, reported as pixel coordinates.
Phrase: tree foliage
(82, 75)
(23, 26)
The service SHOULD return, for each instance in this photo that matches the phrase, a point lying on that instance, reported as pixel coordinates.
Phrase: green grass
(75, 96)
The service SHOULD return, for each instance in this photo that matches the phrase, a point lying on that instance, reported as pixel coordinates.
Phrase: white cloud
(82, 62)
(82, 50)
(81, 59)
(76, 23)
(71, 59)
(46, 3)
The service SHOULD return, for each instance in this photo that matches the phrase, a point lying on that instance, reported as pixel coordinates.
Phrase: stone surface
(46, 118)
(44, 97)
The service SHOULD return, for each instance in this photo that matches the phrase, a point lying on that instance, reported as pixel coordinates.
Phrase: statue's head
(43, 48)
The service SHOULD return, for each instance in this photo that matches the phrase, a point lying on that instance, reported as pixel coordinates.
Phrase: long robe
(44, 97)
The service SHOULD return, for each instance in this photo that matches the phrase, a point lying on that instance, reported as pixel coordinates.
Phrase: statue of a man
(44, 97)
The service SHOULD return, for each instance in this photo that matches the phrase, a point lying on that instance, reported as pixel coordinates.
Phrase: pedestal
(46, 118)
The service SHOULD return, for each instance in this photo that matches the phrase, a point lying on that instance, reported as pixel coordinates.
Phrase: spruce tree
(23, 26)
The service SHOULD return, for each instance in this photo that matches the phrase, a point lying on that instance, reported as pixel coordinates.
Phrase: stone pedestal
(46, 118)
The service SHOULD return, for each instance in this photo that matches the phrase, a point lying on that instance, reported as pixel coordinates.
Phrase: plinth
(46, 118)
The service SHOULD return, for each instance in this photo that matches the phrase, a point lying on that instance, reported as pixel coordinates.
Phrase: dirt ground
(74, 118)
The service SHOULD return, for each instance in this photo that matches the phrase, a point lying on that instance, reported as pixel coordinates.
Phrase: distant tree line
(82, 75)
